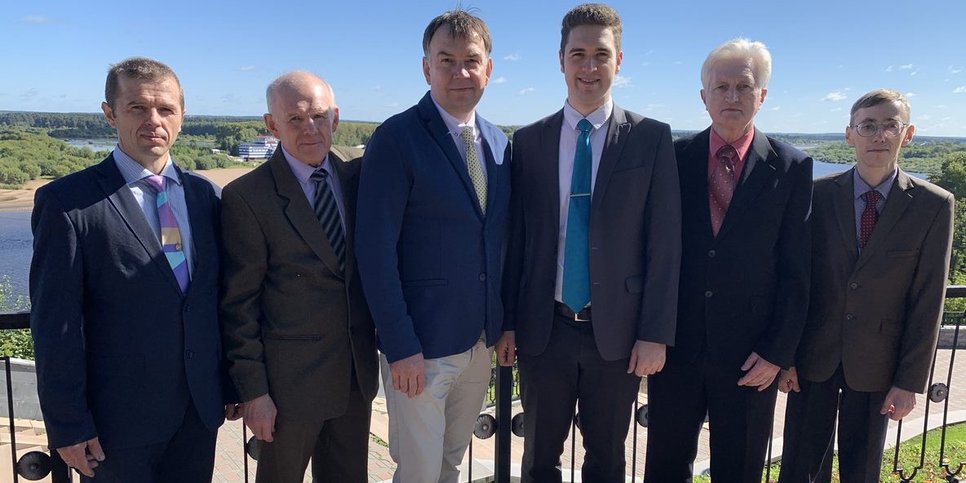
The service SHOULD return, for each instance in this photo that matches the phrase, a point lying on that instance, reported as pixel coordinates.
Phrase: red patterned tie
(869, 216)
(722, 185)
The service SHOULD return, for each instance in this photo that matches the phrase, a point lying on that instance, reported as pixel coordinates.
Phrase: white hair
(740, 48)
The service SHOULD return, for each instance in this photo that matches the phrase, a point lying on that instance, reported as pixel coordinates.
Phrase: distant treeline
(225, 132)
(921, 156)
(28, 153)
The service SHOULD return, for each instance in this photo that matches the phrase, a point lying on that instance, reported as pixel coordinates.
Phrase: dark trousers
(569, 373)
(810, 429)
(188, 457)
(740, 420)
(337, 447)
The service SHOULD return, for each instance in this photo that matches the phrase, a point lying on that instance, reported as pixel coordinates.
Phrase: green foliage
(14, 343)
(952, 176)
(925, 157)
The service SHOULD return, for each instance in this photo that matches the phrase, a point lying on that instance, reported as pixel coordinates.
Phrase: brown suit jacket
(293, 325)
(877, 313)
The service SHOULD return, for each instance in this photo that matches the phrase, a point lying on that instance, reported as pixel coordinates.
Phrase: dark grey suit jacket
(121, 352)
(877, 313)
(293, 324)
(635, 235)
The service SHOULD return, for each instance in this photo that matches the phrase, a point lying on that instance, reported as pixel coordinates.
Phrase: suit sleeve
(384, 186)
(662, 224)
(794, 248)
(516, 239)
(925, 303)
(56, 323)
(245, 262)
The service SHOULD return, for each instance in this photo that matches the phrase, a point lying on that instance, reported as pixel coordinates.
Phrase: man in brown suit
(298, 335)
(881, 244)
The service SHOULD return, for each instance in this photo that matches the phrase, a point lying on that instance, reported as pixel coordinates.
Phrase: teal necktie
(576, 272)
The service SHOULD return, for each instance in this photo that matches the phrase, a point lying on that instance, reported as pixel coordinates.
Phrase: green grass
(909, 457)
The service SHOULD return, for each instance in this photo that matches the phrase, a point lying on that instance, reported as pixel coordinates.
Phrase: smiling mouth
(587, 82)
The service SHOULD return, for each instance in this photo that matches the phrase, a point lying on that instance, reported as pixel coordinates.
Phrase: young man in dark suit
(881, 249)
(298, 335)
(593, 259)
(744, 279)
(124, 294)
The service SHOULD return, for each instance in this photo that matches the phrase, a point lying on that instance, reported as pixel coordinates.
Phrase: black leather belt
(565, 312)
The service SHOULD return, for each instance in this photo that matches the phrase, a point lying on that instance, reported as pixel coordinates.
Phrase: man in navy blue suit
(124, 285)
(432, 214)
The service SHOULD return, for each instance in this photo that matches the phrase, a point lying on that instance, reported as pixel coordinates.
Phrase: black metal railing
(499, 420)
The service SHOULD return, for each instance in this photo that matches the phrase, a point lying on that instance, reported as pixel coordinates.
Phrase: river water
(16, 240)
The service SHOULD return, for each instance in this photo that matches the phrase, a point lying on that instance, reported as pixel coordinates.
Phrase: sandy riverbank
(23, 199)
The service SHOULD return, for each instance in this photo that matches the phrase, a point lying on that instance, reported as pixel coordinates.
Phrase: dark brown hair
(140, 68)
(461, 25)
(591, 14)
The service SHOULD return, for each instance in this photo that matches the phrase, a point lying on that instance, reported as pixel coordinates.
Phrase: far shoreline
(22, 200)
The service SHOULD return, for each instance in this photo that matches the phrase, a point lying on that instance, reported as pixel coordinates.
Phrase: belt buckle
(577, 317)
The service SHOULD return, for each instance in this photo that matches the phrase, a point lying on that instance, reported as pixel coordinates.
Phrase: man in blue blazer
(430, 231)
(123, 286)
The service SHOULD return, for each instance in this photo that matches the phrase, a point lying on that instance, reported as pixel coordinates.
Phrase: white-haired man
(744, 278)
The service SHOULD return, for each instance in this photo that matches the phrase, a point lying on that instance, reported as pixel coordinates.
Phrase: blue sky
(826, 54)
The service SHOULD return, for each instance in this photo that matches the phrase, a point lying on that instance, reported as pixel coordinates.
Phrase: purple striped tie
(170, 234)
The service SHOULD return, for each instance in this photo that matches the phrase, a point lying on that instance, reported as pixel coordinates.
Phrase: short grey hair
(740, 48)
(292, 79)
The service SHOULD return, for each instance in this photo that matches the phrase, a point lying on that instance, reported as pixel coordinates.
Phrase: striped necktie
(327, 211)
(170, 233)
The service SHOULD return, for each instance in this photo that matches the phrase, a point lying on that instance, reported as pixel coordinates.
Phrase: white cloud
(911, 94)
(649, 52)
(835, 96)
(955, 70)
(526, 91)
(513, 57)
(889, 69)
(678, 62)
(906, 66)
(914, 72)
(837, 109)
(960, 90)
(392, 104)
(37, 19)
(499, 80)
(247, 68)
(776, 108)
(621, 81)
(925, 117)
(30, 93)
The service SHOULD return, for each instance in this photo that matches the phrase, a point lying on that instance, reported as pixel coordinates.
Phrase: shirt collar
(301, 170)
(859, 186)
(453, 125)
(133, 172)
(742, 144)
(596, 118)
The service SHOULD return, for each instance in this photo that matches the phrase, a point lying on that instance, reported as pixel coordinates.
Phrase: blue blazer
(120, 351)
(430, 261)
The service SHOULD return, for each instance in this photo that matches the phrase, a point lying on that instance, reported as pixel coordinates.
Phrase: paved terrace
(229, 464)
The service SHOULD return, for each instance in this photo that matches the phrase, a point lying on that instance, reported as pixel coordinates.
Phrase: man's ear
(108, 114)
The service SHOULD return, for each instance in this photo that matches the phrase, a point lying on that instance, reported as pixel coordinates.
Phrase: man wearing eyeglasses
(881, 244)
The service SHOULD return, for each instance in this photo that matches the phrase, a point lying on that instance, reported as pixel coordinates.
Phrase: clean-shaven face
(589, 61)
(880, 151)
(147, 116)
(457, 70)
(732, 96)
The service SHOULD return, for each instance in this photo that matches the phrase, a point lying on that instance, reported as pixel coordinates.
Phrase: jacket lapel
(844, 206)
(900, 196)
(440, 133)
(549, 165)
(300, 213)
(693, 169)
(349, 182)
(617, 129)
(121, 198)
(758, 169)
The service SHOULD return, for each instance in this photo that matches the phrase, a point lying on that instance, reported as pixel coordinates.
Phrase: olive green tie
(474, 167)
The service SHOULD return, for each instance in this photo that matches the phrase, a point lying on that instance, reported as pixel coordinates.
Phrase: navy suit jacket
(745, 290)
(120, 351)
(430, 261)
(635, 235)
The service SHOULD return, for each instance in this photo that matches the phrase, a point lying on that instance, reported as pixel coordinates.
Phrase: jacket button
(849, 317)
(853, 285)
(711, 253)
(708, 294)
(483, 277)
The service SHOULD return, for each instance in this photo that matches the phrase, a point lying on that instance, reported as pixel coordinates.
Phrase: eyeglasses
(890, 129)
